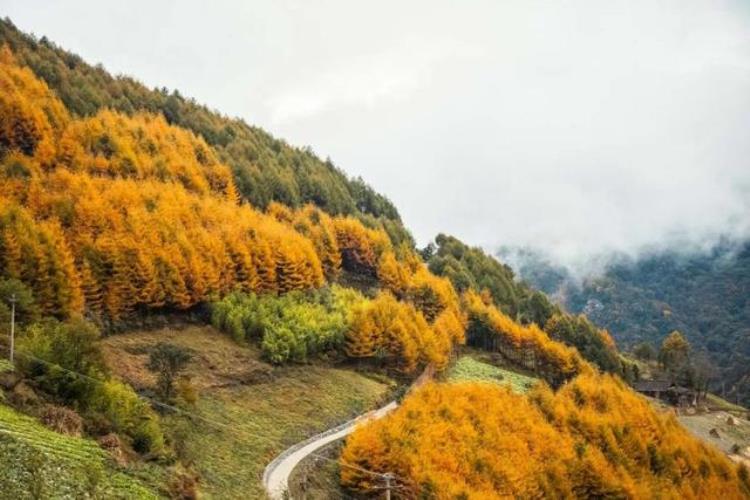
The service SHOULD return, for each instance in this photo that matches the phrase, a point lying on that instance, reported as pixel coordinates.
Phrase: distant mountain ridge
(706, 296)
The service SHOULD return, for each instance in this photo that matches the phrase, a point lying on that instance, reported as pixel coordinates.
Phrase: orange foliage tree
(114, 212)
(360, 247)
(319, 227)
(387, 328)
(527, 346)
(592, 439)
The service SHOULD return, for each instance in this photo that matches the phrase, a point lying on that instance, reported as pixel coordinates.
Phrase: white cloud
(366, 81)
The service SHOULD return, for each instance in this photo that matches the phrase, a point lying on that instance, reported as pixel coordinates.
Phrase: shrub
(128, 414)
(55, 353)
(186, 391)
(167, 360)
(183, 485)
(61, 419)
(148, 437)
(292, 327)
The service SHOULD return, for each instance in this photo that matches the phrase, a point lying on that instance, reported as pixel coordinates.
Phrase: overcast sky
(577, 127)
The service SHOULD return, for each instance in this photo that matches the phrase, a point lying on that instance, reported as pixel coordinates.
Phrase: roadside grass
(717, 403)
(40, 463)
(247, 411)
(468, 368)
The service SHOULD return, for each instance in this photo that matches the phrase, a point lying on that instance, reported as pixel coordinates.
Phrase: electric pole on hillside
(12, 324)
(388, 478)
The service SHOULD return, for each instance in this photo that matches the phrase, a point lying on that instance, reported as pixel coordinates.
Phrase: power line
(388, 477)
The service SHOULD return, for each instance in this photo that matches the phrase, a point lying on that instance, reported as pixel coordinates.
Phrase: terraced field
(39, 463)
(468, 368)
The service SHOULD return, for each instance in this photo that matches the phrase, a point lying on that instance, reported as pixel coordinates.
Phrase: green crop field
(40, 463)
(467, 368)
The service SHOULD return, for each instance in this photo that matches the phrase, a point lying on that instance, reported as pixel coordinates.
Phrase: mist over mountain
(703, 294)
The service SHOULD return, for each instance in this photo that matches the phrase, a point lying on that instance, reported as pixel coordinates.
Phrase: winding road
(276, 475)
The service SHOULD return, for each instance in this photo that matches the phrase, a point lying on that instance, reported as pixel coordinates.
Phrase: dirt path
(276, 475)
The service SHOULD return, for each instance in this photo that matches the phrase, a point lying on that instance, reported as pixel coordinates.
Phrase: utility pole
(12, 325)
(388, 478)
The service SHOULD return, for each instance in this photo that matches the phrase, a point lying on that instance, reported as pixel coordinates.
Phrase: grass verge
(468, 368)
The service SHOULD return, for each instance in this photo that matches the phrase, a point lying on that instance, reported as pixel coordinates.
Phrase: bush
(183, 485)
(72, 369)
(62, 420)
(281, 344)
(292, 327)
(148, 436)
(167, 361)
(128, 414)
(186, 391)
(56, 354)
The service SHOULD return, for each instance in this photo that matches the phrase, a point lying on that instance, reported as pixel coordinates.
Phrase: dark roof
(681, 390)
(652, 386)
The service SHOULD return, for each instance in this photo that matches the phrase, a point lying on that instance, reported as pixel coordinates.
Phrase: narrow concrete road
(276, 475)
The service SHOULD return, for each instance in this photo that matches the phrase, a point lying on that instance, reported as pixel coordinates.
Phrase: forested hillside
(266, 169)
(472, 269)
(704, 296)
(119, 203)
(593, 438)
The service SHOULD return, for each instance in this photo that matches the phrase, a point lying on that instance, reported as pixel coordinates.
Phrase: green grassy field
(251, 410)
(717, 403)
(39, 463)
(468, 368)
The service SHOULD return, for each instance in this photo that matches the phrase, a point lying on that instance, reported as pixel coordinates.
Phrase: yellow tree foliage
(129, 212)
(30, 116)
(594, 438)
(319, 227)
(360, 247)
(112, 212)
(408, 278)
(393, 275)
(387, 328)
(527, 346)
(144, 146)
(431, 294)
(38, 254)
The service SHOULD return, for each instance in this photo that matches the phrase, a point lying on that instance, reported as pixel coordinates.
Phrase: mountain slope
(248, 411)
(706, 297)
(266, 169)
(471, 268)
